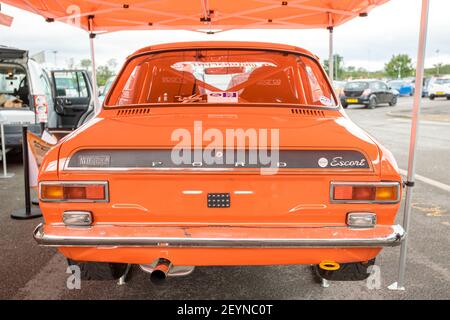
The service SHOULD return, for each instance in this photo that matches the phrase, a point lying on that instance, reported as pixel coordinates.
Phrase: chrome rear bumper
(218, 237)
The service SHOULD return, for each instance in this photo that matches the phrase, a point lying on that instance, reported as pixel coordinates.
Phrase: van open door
(8, 54)
(73, 97)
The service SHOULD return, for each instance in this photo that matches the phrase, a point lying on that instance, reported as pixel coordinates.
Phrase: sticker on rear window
(223, 97)
(325, 101)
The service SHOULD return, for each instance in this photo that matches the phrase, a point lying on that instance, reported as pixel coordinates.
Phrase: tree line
(399, 66)
(104, 72)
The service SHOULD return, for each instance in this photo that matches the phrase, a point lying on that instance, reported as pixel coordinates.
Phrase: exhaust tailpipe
(159, 273)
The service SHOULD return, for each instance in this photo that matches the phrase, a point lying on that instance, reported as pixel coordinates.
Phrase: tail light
(367, 92)
(61, 191)
(41, 108)
(362, 192)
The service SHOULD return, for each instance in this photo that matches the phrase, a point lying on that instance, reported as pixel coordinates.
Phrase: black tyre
(393, 102)
(99, 270)
(432, 97)
(345, 105)
(372, 103)
(448, 97)
(357, 271)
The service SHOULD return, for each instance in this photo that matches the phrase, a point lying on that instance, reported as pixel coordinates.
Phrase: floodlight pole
(400, 285)
(94, 70)
(331, 54)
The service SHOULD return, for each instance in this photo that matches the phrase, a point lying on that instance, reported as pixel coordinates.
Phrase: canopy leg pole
(331, 54)
(325, 283)
(94, 70)
(5, 170)
(400, 285)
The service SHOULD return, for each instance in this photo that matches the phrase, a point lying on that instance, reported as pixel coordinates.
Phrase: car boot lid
(327, 133)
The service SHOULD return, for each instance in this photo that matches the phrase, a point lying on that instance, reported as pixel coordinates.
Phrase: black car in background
(370, 93)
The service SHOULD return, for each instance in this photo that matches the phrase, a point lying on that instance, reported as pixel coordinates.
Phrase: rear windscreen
(442, 81)
(222, 76)
(354, 86)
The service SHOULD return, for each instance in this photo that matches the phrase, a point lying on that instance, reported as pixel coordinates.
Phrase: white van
(25, 93)
(29, 95)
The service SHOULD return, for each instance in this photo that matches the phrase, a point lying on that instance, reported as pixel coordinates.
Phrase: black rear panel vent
(308, 112)
(133, 112)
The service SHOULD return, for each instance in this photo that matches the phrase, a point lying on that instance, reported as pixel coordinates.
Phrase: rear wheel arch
(373, 102)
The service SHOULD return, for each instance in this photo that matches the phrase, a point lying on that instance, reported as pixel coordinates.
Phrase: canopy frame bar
(330, 29)
(410, 181)
(258, 17)
(93, 65)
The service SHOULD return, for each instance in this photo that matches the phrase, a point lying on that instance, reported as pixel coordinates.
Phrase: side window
(375, 86)
(317, 90)
(70, 84)
(82, 85)
(129, 93)
(383, 86)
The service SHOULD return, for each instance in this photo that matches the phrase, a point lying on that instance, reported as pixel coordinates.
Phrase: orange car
(220, 153)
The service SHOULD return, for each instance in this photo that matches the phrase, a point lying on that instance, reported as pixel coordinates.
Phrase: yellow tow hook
(329, 265)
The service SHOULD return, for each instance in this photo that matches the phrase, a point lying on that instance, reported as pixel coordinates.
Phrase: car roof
(222, 45)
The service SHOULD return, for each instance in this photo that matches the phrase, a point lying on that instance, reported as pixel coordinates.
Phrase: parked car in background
(31, 95)
(73, 98)
(370, 93)
(135, 188)
(405, 88)
(439, 88)
(25, 94)
(426, 83)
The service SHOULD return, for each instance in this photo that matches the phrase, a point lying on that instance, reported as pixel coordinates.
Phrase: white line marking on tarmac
(49, 283)
(427, 122)
(429, 181)
(428, 263)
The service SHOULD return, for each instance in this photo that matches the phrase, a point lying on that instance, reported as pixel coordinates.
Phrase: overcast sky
(364, 42)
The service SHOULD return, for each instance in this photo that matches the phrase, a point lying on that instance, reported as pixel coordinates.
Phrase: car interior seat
(169, 85)
(23, 91)
(268, 86)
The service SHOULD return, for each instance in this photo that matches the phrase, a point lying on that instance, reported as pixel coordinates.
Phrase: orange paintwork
(216, 15)
(297, 197)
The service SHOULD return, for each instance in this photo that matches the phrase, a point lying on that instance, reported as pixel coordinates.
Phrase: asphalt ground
(431, 111)
(32, 272)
